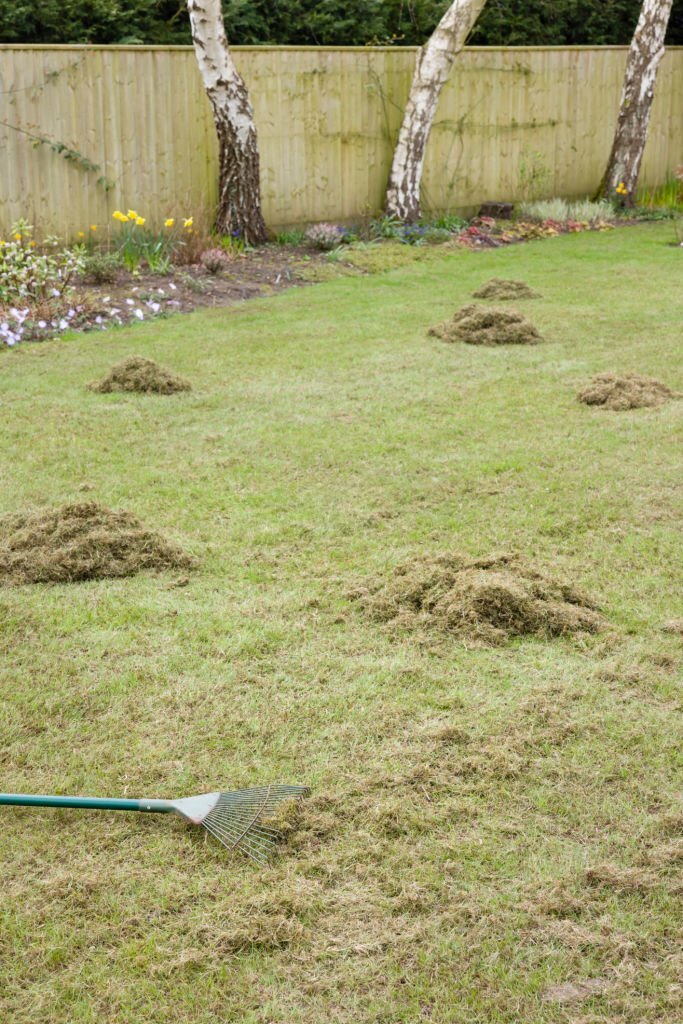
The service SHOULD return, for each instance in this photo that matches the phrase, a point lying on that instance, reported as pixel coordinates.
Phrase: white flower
(107, 298)
(139, 314)
(55, 292)
(98, 320)
(42, 324)
(172, 286)
(154, 306)
(130, 302)
(63, 324)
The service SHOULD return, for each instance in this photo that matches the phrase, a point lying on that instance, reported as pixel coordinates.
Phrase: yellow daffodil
(17, 237)
(139, 221)
(169, 222)
(188, 222)
(117, 215)
(93, 227)
(132, 215)
(81, 234)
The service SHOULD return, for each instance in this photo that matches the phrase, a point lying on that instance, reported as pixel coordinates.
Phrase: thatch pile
(81, 542)
(483, 325)
(488, 600)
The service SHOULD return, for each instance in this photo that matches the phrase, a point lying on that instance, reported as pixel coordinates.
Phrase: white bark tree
(645, 54)
(239, 192)
(432, 68)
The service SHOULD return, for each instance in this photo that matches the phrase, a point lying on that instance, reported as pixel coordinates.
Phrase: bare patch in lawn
(142, 375)
(486, 600)
(625, 391)
(81, 542)
(575, 991)
(504, 289)
(482, 325)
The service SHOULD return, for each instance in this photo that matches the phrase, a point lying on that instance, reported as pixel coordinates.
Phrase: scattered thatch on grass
(673, 626)
(483, 325)
(487, 600)
(81, 542)
(625, 391)
(504, 289)
(142, 375)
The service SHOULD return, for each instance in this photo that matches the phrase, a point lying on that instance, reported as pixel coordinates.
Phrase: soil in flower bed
(81, 542)
(625, 391)
(502, 289)
(259, 272)
(141, 375)
(482, 325)
(486, 600)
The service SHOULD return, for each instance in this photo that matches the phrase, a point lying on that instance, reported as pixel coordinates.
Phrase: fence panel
(138, 129)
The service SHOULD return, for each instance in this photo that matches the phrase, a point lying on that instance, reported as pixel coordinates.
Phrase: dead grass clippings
(484, 325)
(79, 542)
(504, 289)
(620, 392)
(674, 626)
(485, 600)
(611, 876)
(141, 375)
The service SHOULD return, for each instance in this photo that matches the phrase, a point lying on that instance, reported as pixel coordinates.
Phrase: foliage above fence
(135, 128)
(327, 22)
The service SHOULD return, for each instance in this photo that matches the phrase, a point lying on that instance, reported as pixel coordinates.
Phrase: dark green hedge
(325, 22)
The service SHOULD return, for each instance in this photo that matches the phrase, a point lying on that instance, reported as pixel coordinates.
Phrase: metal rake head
(237, 819)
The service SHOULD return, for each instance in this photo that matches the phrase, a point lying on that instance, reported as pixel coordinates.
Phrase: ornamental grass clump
(487, 600)
(484, 325)
(138, 374)
(80, 542)
(620, 392)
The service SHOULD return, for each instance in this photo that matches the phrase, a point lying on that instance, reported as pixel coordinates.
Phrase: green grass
(439, 871)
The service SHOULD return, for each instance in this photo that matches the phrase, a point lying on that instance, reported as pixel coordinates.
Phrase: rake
(235, 819)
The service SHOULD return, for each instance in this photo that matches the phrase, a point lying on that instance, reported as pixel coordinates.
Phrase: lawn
(485, 823)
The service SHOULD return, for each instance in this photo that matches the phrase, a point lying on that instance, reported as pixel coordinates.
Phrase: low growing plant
(101, 267)
(292, 237)
(215, 260)
(327, 236)
(29, 274)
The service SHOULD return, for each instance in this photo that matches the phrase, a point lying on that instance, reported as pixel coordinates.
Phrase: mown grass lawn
(485, 823)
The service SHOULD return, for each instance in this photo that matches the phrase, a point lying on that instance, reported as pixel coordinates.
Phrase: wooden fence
(138, 129)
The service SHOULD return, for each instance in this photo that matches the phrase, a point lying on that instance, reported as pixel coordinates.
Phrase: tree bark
(239, 186)
(645, 54)
(432, 68)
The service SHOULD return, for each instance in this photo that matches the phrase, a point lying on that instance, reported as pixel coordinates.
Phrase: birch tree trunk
(647, 50)
(239, 186)
(432, 68)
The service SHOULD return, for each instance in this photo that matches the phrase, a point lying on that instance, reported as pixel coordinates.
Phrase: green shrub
(101, 267)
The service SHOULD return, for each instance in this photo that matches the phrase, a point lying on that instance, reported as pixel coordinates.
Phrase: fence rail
(84, 130)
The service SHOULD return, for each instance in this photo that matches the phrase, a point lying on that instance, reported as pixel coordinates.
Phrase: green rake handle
(90, 802)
